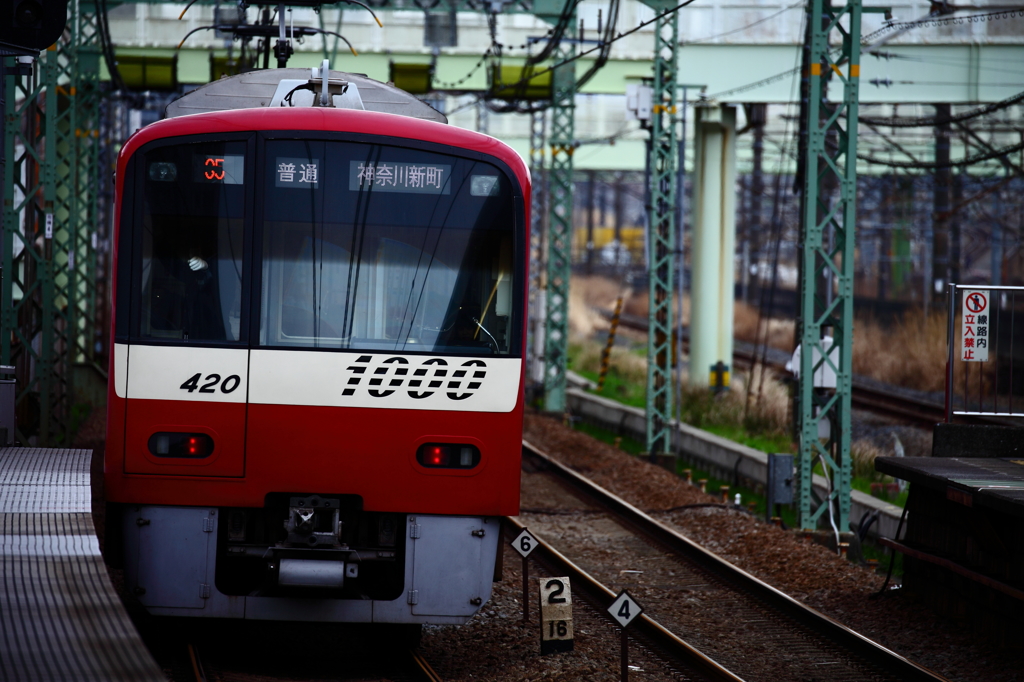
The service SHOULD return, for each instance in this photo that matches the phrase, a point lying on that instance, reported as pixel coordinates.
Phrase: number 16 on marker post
(555, 616)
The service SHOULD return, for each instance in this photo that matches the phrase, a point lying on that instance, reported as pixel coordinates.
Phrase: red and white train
(316, 394)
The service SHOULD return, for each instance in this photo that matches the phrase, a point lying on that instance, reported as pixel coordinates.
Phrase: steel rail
(423, 668)
(643, 628)
(914, 410)
(853, 642)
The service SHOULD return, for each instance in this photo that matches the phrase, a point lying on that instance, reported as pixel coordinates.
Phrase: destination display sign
(406, 178)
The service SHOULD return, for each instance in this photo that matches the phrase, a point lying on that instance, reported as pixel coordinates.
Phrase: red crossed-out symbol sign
(976, 302)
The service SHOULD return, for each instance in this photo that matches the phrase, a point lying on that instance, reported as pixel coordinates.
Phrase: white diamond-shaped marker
(524, 543)
(624, 609)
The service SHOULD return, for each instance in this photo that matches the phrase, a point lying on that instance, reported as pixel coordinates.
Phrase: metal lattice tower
(84, 222)
(48, 304)
(538, 203)
(827, 268)
(661, 239)
(559, 235)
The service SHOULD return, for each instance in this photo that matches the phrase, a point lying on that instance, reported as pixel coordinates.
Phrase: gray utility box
(779, 486)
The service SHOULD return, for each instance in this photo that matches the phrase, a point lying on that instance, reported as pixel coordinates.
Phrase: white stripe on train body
(319, 378)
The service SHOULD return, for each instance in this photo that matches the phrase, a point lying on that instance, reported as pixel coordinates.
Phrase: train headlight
(188, 445)
(448, 456)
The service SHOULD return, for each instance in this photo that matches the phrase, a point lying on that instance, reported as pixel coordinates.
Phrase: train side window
(192, 242)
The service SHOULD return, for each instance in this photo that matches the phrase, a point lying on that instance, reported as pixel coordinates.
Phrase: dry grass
(911, 352)
(779, 332)
(766, 412)
(587, 295)
(768, 404)
(630, 367)
(863, 454)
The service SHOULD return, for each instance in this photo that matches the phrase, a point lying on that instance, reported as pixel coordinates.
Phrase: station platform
(964, 542)
(60, 617)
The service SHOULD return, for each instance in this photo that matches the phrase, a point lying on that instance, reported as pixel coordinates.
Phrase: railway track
(866, 396)
(680, 657)
(744, 624)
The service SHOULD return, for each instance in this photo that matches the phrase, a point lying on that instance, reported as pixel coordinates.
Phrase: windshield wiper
(496, 350)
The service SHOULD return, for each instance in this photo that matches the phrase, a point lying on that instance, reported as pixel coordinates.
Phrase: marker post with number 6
(624, 610)
(524, 544)
(555, 616)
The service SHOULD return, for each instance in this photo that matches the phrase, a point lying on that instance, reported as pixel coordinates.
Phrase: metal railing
(984, 369)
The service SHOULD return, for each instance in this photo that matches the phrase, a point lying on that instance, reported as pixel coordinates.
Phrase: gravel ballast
(497, 645)
(799, 567)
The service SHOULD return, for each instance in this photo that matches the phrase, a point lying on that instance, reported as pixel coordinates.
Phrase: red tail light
(448, 456)
(190, 445)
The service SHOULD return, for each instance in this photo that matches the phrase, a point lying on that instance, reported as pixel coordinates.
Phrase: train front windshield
(354, 246)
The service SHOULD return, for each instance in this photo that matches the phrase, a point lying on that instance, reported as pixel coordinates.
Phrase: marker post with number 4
(524, 544)
(555, 616)
(624, 610)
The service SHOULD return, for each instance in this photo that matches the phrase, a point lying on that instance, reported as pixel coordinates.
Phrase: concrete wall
(724, 458)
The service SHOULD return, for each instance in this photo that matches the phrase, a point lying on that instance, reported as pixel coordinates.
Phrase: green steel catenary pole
(661, 238)
(826, 275)
(559, 236)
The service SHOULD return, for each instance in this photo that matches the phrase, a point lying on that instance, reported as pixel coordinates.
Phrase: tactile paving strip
(60, 618)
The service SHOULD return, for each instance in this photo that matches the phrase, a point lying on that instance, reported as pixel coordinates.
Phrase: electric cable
(295, 33)
(367, 8)
(831, 516)
(476, 67)
(324, 31)
(932, 22)
(932, 165)
(932, 121)
(182, 15)
(569, 60)
(756, 84)
(513, 104)
(107, 46)
(865, 41)
(708, 39)
(776, 242)
(602, 57)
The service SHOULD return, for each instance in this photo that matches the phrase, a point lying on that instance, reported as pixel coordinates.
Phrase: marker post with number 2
(624, 610)
(524, 544)
(555, 616)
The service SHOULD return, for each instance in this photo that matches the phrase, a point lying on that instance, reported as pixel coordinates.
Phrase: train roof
(297, 88)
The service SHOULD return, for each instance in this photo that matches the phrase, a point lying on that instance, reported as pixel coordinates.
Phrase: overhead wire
(519, 88)
(776, 229)
(931, 121)
(580, 55)
(934, 21)
(602, 57)
(706, 39)
(932, 165)
(107, 46)
(476, 67)
(866, 40)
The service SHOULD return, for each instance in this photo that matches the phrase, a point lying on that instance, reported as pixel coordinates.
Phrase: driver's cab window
(192, 242)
